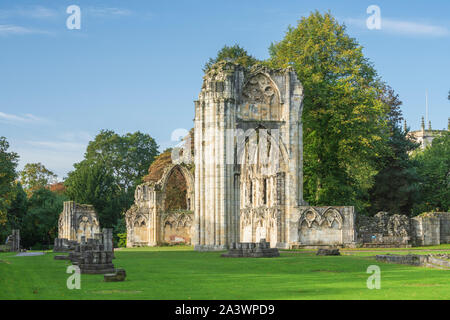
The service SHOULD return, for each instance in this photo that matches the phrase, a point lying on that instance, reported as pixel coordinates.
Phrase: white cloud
(401, 27)
(58, 153)
(109, 12)
(38, 12)
(413, 28)
(9, 29)
(34, 12)
(58, 145)
(76, 136)
(66, 141)
(58, 161)
(16, 118)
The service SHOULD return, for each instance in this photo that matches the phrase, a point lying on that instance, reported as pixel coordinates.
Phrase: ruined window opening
(264, 191)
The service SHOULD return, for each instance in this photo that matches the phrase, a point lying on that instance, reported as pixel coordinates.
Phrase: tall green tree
(344, 121)
(36, 176)
(95, 184)
(235, 54)
(396, 184)
(40, 224)
(433, 166)
(18, 207)
(128, 156)
(112, 168)
(16, 211)
(8, 164)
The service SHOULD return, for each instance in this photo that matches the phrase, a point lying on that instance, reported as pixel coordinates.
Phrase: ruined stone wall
(177, 227)
(140, 230)
(384, 230)
(233, 104)
(399, 230)
(76, 221)
(13, 241)
(148, 221)
(94, 255)
(431, 229)
(433, 261)
(444, 219)
(323, 226)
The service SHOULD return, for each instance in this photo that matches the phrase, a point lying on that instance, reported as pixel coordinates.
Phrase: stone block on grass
(61, 257)
(328, 252)
(118, 275)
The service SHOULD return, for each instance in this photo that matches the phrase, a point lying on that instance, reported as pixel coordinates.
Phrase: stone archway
(149, 222)
(320, 226)
(175, 220)
(262, 193)
(188, 177)
(234, 100)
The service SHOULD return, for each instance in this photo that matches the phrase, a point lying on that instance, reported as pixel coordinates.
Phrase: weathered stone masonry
(76, 221)
(384, 230)
(149, 224)
(248, 178)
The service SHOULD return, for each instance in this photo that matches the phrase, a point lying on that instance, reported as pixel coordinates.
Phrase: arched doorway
(177, 216)
(162, 213)
(262, 173)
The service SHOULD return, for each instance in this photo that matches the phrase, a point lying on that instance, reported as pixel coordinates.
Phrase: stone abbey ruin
(242, 168)
(246, 181)
(244, 178)
(89, 249)
(75, 222)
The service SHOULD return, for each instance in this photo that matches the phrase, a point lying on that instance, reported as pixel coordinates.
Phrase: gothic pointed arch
(260, 98)
(332, 215)
(310, 216)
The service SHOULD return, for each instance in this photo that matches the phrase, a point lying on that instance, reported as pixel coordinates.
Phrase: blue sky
(137, 64)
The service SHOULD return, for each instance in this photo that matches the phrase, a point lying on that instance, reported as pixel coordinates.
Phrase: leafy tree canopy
(8, 164)
(113, 166)
(95, 184)
(344, 120)
(36, 176)
(235, 54)
(40, 224)
(128, 156)
(433, 166)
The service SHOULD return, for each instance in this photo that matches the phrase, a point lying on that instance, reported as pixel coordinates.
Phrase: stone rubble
(261, 249)
(328, 252)
(118, 275)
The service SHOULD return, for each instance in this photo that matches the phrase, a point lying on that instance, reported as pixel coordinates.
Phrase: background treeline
(356, 151)
(31, 200)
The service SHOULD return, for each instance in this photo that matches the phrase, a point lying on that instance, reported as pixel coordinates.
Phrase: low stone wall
(444, 219)
(440, 262)
(383, 230)
(431, 229)
(63, 245)
(94, 256)
(323, 227)
(409, 259)
(261, 249)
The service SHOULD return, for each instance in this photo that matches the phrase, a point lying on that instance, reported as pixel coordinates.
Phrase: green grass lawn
(181, 273)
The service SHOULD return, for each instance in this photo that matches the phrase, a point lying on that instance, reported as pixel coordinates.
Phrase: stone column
(108, 239)
(15, 240)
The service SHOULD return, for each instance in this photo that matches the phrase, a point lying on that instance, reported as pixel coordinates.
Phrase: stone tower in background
(248, 156)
